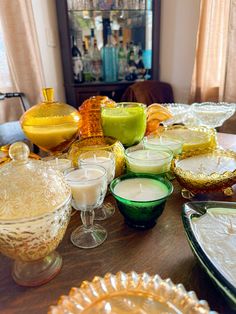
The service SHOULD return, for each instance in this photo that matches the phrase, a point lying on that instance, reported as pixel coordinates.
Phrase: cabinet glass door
(111, 40)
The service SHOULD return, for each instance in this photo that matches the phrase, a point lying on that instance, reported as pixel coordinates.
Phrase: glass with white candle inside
(141, 197)
(88, 186)
(155, 141)
(105, 159)
(142, 160)
(60, 164)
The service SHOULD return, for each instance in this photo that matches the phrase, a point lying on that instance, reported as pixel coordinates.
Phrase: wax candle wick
(140, 188)
(161, 141)
(95, 157)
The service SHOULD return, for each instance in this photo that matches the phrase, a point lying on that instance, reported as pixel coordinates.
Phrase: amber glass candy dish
(34, 214)
(130, 293)
(205, 171)
(51, 125)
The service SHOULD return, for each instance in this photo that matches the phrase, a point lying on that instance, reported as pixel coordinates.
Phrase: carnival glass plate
(130, 293)
(211, 232)
(206, 171)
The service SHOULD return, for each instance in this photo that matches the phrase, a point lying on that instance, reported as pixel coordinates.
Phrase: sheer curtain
(209, 76)
(23, 70)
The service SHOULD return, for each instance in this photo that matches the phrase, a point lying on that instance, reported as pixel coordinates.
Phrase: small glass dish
(130, 293)
(193, 138)
(209, 230)
(212, 114)
(205, 171)
(179, 113)
(141, 198)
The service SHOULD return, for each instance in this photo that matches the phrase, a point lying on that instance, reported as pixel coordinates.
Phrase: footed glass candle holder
(141, 198)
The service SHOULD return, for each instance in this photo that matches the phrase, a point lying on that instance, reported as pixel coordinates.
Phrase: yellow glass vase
(51, 125)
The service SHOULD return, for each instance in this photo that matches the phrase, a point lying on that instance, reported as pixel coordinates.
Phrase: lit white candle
(60, 164)
(153, 142)
(88, 186)
(148, 161)
(141, 189)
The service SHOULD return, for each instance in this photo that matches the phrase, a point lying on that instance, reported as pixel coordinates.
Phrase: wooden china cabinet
(134, 25)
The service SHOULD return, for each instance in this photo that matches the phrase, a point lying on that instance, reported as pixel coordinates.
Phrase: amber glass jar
(51, 125)
(90, 111)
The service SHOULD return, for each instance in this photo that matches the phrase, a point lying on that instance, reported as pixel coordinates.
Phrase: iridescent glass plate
(130, 293)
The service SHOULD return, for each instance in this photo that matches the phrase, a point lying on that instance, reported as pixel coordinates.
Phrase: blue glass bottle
(110, 60)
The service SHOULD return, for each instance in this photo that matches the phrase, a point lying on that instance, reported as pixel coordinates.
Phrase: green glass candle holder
(125, 122)
(141, 198)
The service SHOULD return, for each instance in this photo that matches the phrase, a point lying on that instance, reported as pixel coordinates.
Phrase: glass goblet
(89, 186)
(105, 159)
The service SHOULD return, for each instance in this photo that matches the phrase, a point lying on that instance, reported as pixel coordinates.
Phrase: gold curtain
(208, 81)
(23, 54)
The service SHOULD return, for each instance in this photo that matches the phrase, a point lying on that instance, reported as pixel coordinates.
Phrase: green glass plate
(196, 210)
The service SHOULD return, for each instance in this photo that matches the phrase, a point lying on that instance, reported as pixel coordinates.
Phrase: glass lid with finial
(35, 207)
(28, 187)
(51, 125)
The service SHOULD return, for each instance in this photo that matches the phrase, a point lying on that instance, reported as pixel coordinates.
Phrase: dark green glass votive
(141, 197)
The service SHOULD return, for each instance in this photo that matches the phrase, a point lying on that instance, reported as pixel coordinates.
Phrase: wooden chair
(149, 92)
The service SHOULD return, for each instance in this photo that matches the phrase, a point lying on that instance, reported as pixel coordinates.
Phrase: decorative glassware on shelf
(211, 114)
(106, 159)
(35, 206)
(89, 186)
(205, 171)
(99, 143)
(51, 125)
(130, 293)
(126, 122)
(90, 111)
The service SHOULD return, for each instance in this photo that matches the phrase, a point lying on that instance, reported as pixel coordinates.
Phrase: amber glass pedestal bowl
(205, 171)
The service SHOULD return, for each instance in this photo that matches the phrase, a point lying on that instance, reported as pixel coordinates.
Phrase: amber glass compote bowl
(51, 125)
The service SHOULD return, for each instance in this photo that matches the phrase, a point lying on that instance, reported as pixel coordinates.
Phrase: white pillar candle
(153, 142)
(149, 161)
(141, 189)
(60, 164)
(88, 186)
(105, 162)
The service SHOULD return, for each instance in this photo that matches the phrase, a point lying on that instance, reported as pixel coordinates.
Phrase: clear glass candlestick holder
(89, 186)
(106, 159)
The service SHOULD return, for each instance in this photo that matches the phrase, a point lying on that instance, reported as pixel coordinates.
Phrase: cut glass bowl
(212, 114)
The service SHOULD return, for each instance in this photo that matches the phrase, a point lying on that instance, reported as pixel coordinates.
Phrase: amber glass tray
(129, 293)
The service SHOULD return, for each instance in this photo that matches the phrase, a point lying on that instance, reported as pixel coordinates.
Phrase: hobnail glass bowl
(212, 114)
(34, 214)
(130, 293)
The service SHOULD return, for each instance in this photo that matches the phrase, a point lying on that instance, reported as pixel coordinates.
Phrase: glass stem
(87, 218)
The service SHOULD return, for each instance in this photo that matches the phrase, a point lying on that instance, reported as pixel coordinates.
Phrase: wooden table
(163, 249)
